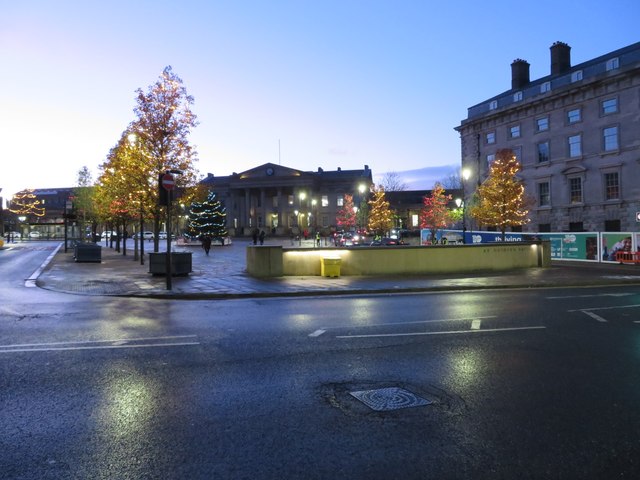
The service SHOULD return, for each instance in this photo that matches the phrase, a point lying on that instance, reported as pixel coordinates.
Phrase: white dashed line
(451, 332)
(594, 316)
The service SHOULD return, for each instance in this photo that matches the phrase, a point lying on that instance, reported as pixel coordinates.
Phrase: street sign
(168, 181)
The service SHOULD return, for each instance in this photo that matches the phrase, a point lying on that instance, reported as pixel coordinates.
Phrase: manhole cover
(392, 398)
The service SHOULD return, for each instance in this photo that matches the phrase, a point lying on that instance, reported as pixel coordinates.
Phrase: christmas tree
(346, 216)
(208, 218)
(380, 215)
(501, 201)
(435, 214)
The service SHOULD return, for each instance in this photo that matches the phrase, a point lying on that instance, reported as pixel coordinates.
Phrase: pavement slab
(222, 274)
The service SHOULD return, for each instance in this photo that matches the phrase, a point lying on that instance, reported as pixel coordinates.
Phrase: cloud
(338, 151)
(421, 178)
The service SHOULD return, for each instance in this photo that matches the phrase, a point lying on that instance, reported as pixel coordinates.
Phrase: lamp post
(459, 203)
(465, 174)
(355, 217)
(168, 185)
(362, 188)
(314, 202)
(133, 141)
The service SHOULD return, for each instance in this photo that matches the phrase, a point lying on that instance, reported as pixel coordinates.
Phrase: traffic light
(163, 194)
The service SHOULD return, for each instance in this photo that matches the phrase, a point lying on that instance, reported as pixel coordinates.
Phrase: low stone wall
(275, 261)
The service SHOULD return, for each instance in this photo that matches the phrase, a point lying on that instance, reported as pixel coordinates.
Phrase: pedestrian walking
(318, 239)
(206, 244)
(261, 237)
(254, 236)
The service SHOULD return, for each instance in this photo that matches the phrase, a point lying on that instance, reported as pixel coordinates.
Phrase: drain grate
(392, 398)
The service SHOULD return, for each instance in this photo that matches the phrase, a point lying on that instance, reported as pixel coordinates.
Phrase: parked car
(14, 235)
(349, 239)
(108, 234)
(163, 236)
(145, 235)
(386, 242)
(34, 234)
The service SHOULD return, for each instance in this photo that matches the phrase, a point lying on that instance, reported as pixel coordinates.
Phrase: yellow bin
(330, 266)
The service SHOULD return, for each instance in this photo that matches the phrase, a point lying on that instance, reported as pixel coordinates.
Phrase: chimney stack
(560, 58)
(519, 73)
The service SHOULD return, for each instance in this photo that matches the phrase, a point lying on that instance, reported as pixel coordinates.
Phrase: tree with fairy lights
(25, 202)
(435, 213)
(208, 218)
(346, 216)
(500, 200)
(380, 215)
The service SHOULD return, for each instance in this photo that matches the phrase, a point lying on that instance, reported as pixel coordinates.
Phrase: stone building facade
(576, 133)
(283, 200)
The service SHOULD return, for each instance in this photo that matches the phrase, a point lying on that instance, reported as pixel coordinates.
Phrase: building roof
(270, 171)
(628, 58)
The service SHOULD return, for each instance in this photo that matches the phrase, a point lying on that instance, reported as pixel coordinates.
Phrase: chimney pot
(560, 58)
(519, 73)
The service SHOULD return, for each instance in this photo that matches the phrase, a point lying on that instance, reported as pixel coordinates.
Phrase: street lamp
(133, 141)
(355, 217)
(465, 174)
(314, 209)
(362, 188)
(169, 191)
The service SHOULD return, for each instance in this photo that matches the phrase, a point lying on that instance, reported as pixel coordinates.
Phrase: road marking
(102, 344)
(31, 281)
(595, 316)
(475, 324)
(10, 311)
(591, 296)
(603, 308)
(451, 332)
(319, 332)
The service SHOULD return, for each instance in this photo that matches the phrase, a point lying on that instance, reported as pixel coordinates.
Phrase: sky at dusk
(308, 84)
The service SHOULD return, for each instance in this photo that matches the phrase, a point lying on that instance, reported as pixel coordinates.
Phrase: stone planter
(181, 263)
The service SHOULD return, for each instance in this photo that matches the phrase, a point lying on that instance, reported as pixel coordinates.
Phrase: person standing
(261, 237)
(206, 244)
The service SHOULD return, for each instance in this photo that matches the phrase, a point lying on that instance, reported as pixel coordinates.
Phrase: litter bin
(87, 252)
(330, 266)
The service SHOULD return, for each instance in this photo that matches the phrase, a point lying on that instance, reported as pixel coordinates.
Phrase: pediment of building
(270, 170)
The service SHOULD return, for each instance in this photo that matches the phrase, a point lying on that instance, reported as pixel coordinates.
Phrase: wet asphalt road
(522, 384)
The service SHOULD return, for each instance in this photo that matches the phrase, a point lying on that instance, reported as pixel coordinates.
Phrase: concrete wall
(274, 261)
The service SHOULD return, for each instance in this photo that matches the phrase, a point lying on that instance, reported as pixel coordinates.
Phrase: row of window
(611, 64)
(610, 143)
(607, 107)
(324, 201)
(611, 182)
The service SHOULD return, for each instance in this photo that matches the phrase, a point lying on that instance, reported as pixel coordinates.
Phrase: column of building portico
(247, 207)
(263, 208)
(280, 210)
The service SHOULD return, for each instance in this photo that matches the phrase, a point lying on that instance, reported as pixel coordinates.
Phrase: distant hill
(422, 178)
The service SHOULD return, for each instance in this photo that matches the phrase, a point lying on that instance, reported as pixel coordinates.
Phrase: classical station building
(576, 133)
(283, 200)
